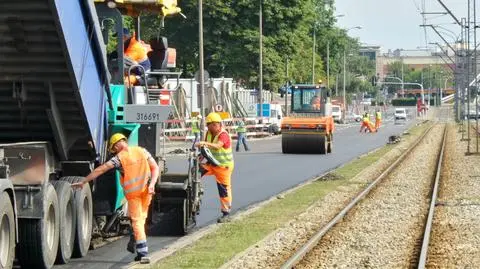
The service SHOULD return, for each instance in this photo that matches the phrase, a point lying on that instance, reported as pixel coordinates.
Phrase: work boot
(131, 244)
(142, 259)
(224, 218)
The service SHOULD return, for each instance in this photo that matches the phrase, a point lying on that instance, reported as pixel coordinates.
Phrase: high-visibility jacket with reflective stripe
(222, 155)
(136, 51)
(378, 115)
(136, 171)
(195, 126)
(366, 118)
(241, 127)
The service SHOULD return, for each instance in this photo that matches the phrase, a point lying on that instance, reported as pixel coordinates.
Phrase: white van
(400, 114)
(337, 114)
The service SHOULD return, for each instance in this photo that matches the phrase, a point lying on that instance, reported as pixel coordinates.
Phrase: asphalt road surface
(259, 174)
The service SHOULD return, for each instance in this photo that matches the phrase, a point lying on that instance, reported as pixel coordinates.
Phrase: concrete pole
(201, 68)
(313, 56)
(344, 81)
(260, 86)
(328, 64)
(286, 92)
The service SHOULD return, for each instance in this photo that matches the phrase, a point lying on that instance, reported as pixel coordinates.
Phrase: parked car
(400, 114)
(353, 117)
(337, 114)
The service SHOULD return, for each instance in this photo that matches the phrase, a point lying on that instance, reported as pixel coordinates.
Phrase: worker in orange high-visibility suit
(366, 124)
(220, 144)
(139, 174)
(136, 51)
(378, 119)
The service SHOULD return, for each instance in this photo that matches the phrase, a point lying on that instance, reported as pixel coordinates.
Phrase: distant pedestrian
(378, 119)
(196, 129)
(242, 135)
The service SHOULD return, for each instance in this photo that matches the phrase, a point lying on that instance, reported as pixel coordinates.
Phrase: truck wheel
(38, 238)
(84, 216)
(67, 220)
(7, 232)
(183, 218)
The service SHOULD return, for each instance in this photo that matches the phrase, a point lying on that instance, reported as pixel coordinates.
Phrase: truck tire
(182, 218)
(67, 220)
(7, 231)
(38, 238)
(84, 216)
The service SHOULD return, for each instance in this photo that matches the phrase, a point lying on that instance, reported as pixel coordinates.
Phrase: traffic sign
(218, 108)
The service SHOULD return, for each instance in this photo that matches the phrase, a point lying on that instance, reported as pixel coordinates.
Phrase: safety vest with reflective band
(378, 115)
(222, 155)
(137, 52)
(195, 127)
(136, 171)
(366, 118)
(241, 127)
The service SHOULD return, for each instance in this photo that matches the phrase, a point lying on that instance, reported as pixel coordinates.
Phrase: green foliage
(404, 102)
(231, 41)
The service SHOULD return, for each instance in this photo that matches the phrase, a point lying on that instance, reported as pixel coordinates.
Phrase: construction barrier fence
(181, 130)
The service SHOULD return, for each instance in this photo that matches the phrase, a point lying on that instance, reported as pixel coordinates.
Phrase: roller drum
(304, 143)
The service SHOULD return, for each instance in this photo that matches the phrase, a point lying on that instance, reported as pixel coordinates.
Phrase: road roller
(309, 127)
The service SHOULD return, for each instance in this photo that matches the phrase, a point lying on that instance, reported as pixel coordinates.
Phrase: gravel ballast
(456, 228)
(383, 230)
(278, 246)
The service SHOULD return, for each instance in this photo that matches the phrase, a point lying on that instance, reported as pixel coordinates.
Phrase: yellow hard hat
(213, 117)
(114, 139)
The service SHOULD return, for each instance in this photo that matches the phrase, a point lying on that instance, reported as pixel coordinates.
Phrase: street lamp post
(201, 67)
(313, 53)
(260, 86)
(345, 75)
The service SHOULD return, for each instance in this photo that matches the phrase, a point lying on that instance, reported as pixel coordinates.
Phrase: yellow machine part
(134, 7)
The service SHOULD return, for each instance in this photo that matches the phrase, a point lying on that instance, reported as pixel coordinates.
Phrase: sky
(394, 24)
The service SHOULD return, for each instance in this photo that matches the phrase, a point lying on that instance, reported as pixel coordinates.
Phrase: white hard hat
(199, 116)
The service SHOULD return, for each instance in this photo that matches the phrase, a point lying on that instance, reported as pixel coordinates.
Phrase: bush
(404, 102)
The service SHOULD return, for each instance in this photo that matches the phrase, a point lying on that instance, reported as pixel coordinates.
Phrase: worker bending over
(366, 124)
(220, 144)
(378, 119)
(139, 174)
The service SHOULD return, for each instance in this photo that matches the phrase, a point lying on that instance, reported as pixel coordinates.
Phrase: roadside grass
(217, 248)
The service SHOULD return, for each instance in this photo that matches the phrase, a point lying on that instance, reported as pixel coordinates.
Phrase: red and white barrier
(181, 130)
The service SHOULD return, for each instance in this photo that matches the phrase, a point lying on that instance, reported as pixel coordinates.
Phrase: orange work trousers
(223, 177)
(368, 125)
(138, 212)
(378, 122)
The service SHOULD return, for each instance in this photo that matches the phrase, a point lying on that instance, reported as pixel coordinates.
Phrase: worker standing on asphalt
(220, 144)
(242, 135)
(139, 174)
(196, 129)
(378, 119)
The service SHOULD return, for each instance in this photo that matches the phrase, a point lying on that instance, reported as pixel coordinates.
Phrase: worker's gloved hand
(200, 144)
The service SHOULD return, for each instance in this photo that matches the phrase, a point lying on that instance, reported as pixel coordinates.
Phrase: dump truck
(309, 126)
(61, 99)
